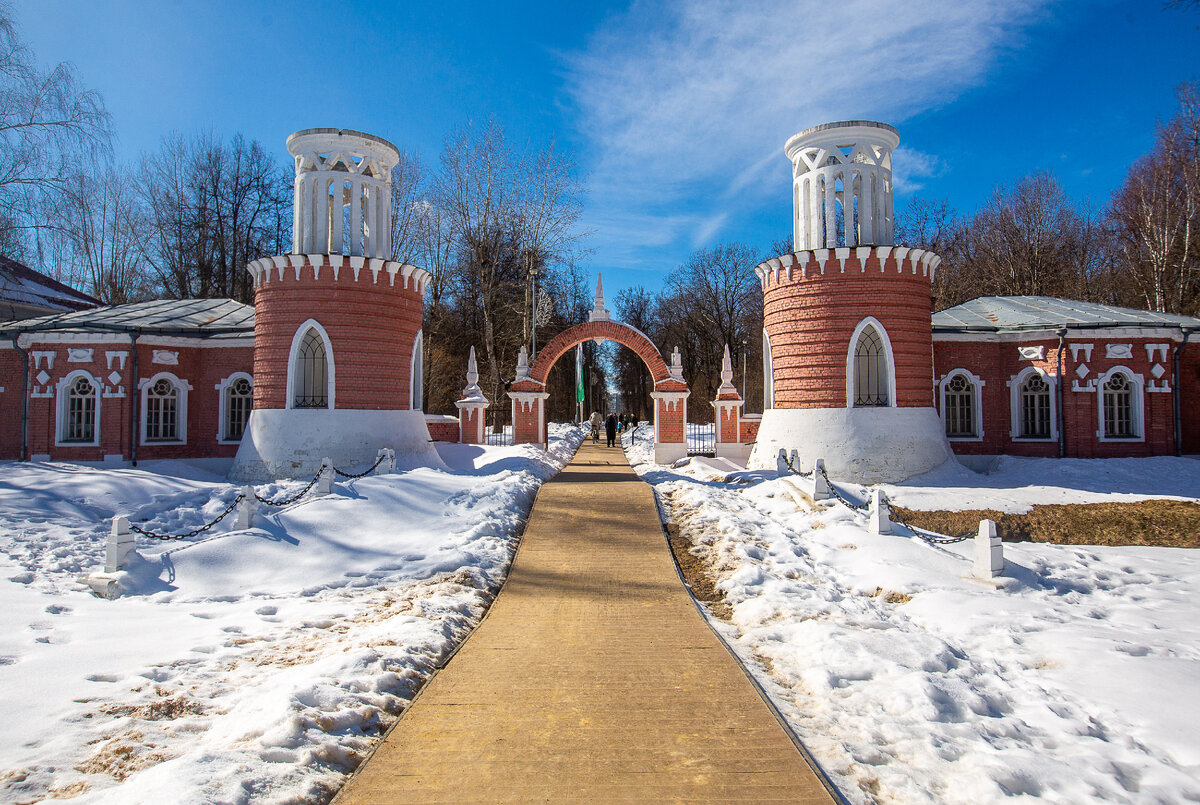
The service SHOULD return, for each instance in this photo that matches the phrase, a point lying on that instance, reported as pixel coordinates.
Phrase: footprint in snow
(57, 609)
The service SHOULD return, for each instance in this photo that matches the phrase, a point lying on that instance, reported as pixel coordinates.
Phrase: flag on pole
(579, 373)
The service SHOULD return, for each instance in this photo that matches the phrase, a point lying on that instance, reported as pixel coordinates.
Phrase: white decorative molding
(871, 321)
(80, 354)
(60, 412)
(47, 356)
(1088, 386)
(1086, 349)
(116, 356)
(1137, 412)
(522, 365)
(1159, 348)
(675, 370)
(1118, 350)
(1032, 353)
(223, 403)
(330, 375)
(1082, 370)
(166, 357)
(1014, 404)
(977, 384)
(181, 419)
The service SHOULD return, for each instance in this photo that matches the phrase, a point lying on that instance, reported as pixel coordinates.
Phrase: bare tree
(48, 124)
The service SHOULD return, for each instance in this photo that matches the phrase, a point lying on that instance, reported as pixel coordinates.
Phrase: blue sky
(677, 112)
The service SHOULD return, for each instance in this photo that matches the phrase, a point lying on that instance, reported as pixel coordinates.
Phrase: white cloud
(692, 101)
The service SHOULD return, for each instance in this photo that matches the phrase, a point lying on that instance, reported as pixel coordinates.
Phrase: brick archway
(670, 394)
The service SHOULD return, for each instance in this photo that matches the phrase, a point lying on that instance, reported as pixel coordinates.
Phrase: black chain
(365, 472)
(792, 467)
(858, 507)
(928, 536)
(188, 535)
(294, 497)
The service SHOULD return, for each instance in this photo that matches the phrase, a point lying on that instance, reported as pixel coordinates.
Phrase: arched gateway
(528, 391)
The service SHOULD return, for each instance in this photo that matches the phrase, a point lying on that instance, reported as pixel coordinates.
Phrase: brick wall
(371, 325)
(443, 429)
(811, 316)
(997, 362)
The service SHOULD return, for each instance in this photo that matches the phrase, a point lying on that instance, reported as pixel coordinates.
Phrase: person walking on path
(610, 429)
(596, 420)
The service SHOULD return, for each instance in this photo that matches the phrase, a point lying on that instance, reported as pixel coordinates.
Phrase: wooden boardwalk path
(593, 678)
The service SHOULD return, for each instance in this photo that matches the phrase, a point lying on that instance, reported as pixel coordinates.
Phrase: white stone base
(291, 443)
(737, 453)
(669, 452)
(863, 445)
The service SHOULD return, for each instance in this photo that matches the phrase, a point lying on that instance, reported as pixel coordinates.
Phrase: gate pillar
(471, 406)
(529, 417)
(670, 416)
(728, 410)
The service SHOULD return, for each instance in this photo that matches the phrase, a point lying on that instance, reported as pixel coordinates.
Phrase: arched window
(417, 372)
(871, 370)
(239, 400)
(310, 380)
(162, 412)
(80, 411)
(958, 406)
(1120, 403)
(768, 374)
(1035, 408)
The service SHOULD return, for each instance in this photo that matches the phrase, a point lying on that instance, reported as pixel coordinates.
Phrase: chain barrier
(858, 507)
(294, 497)
(364, 473)
(194, 532)
(792, 467)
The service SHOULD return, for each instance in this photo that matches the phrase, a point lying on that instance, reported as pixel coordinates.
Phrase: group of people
(613, 425)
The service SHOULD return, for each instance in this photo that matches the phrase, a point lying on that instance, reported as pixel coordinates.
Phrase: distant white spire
(522, 366)
(598, 311)
(676, 370)
(472, 391)
(726, 386)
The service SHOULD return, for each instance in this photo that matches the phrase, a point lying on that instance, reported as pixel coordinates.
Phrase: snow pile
(256, 665)
(1078, 680)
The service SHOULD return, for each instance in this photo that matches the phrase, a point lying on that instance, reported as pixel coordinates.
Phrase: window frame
(768, 372)
(1137, 407)
(330, 375)
(977, 384)
(1014, 404)
(181, 412)
(416, 373)
(223, 405)
(889, 354)
(61, 391)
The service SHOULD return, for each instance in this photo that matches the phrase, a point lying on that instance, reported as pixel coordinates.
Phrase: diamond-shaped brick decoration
(114, 378)
(42, 377)
(1082, 370)
(1158, 370)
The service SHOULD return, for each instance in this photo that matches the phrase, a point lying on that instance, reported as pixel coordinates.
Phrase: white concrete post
(246, 509)
(989, 551)
(878, 520)
(781, 462)
(820, 485)
(120, 544)
(325, 480)
(391, 462)
(794, 460)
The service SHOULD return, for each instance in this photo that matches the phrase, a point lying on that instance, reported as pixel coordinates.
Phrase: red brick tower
(847, 339)
(337, 332)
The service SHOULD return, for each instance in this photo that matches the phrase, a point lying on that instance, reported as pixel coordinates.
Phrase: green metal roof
(197, 318)
(1018, 313)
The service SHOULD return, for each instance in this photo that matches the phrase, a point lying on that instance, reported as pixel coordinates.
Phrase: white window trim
(60, 408)
(291, 364)
(1014, 405)
(415, 402)
(870, 321)
(144, 386)
(768, 372)
(223, 404)
(977, 384)
(1139, 399)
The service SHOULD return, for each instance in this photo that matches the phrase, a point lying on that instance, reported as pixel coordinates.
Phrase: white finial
(726, 386)
(598, 312)
(472, 391)
(522, 366)
(676, 370)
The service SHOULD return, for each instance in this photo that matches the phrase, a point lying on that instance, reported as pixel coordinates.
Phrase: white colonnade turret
(340, 171)
(842, 184)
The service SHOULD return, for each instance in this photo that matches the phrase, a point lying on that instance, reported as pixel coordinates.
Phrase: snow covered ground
(1076, 680)
(255, 665)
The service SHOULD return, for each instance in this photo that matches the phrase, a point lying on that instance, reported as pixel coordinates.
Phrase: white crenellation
(271, 269)
(915, 261)
(842, 171)
(342, 174)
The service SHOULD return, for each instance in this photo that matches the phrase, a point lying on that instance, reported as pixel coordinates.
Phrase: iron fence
(701, 439)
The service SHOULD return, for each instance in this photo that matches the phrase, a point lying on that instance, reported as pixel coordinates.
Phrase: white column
(383, 240)
(799, 222)
(830, 209)
(815, 218)
(321, 239)
(848, 197)
(371, 233)
(336, 217)
(356, 217)
(297, 217)
(867, 206)
(889, 231)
